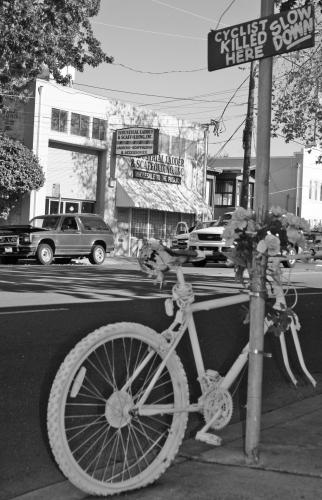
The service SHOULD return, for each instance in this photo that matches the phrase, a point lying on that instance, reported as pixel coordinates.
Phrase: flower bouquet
(262, 242)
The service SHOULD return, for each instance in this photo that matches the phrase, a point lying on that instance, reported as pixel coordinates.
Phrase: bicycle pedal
(208, 438)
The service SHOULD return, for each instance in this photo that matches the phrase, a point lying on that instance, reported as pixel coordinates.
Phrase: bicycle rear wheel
(100, 441)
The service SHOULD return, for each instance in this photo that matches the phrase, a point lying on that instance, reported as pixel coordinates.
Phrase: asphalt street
(45, 311)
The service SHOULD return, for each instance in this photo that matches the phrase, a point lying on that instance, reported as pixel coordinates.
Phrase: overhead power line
(162, 33)
(224, 12)
(160, 72)
(230, 138)
(194, 14)
(173, 98)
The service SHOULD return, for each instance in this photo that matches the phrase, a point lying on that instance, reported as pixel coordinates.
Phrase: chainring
(221, 401)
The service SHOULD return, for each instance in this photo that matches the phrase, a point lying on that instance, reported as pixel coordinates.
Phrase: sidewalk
(290, 464)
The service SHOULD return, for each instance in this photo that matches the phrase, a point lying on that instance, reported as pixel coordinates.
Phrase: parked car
(59, 237)
(209, 240)
(181, 235)
(314, 244)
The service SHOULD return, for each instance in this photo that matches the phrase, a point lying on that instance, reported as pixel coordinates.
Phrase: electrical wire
(195, 70)
(188, 12)
(224, 12)
(229, 139)
(173, 98)
(129, 28)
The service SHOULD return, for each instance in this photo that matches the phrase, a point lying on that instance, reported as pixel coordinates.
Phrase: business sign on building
(137, 141)
(265, 37)
(160, 168)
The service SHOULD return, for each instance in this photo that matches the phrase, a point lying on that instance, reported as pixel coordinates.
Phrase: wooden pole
(247, 137)
(257, 301)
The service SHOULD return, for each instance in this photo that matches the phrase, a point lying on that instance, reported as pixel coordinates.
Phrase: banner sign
(137, 141)
(162, 168)
(265, 37)
(153, 176)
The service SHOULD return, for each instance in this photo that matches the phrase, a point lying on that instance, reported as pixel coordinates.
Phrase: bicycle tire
(145, 445)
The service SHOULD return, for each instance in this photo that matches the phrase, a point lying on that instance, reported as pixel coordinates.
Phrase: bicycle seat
(155, 258)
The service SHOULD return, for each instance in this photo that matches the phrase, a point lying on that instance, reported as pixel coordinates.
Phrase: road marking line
(34, 310)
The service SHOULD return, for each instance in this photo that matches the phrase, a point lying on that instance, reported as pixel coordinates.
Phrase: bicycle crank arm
(149, 410)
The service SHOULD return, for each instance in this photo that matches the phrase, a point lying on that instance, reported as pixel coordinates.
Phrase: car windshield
(223, 220)
(203, 225)
(47, 222)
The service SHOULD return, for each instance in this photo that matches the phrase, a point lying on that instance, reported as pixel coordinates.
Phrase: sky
(160, 62)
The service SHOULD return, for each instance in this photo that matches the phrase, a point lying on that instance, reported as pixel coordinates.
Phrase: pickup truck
(209, 240)
(59, 237)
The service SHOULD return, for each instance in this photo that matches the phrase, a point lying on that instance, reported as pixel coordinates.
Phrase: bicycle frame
(184, 320)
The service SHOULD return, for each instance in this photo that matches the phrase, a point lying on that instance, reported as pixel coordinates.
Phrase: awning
(162, 196)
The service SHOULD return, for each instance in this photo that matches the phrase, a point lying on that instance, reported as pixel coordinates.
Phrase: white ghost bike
(119, 404)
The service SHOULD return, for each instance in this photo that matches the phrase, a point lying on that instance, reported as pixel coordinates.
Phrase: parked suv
(57, 236)
(210, 241)
(181, 235)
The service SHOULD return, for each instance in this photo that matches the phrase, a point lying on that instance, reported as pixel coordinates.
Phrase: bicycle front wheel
(101, 440)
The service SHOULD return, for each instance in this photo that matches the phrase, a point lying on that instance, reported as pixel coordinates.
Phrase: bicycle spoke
(111, 442)
(84, 426)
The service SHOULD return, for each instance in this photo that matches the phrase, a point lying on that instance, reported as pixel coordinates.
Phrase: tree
(297, 112)
(45, 33)
(20, 173)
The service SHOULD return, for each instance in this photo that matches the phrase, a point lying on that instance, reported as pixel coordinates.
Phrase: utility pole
(247, 138)
(258, 274)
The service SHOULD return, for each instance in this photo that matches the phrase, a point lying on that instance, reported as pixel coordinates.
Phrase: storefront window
(58, 120)
(156, 225)
(99, 129)
(79, 125)
(224, 193)
(139, 226)
(88, 207)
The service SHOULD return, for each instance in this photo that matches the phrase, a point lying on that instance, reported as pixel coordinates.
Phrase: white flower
(271, 244)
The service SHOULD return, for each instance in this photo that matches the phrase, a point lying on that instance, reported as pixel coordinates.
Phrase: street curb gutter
(274, 457)
(276, 454)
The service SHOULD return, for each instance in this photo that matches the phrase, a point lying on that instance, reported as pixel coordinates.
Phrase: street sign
(265, 37)
(137, 141)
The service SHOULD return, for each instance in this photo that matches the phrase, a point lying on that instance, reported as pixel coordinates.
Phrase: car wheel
(200, 263)
(45, 254)
(97, 255)
(291, 262)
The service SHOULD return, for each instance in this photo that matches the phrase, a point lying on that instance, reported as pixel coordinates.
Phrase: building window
(250, 202)
(178, 145)
(191, 148)
(224, 193)
(164, 144)
(310, 190)
(209, 191)
(99, 129)
(79, 125)
(59, 120)
(320, 192)
(59, 206)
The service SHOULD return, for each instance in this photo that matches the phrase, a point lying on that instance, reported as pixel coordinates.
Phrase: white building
(72, 132)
